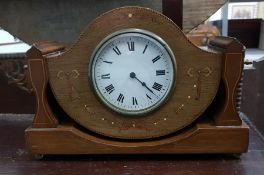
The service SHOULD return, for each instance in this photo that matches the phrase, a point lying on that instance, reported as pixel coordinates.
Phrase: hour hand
(144, 84)
(133, 75)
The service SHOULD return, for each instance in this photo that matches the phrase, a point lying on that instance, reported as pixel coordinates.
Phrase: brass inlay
(205, 72)
(74, 74)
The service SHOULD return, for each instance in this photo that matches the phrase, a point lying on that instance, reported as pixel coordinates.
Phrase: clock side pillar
(232, 69)
(44, 118)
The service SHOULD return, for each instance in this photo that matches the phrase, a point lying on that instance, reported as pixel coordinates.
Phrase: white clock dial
(132, 71)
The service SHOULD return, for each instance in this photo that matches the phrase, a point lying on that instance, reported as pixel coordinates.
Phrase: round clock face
(133, 71)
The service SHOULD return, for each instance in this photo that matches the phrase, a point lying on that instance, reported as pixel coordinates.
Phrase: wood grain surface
(198, 77)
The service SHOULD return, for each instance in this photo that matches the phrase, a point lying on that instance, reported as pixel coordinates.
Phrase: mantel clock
(134, 84)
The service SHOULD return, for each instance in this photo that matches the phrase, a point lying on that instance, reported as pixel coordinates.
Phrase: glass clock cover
(133, 71)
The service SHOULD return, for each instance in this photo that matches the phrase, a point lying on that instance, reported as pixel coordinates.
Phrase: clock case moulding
(200, 116)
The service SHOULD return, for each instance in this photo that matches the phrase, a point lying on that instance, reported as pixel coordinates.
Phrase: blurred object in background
(201, 34)
(63, 21)
(241, 20)
(15, 89)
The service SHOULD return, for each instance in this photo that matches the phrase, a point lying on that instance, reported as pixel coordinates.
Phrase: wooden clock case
(59, 128)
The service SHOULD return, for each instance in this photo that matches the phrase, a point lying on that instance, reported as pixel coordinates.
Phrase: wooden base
(204, 137)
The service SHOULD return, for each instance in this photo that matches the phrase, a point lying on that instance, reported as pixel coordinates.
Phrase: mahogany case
(208, 123)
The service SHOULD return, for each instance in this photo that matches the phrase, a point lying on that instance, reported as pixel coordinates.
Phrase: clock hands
(133, 75)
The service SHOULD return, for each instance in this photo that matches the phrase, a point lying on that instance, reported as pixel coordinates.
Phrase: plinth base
(202, 138)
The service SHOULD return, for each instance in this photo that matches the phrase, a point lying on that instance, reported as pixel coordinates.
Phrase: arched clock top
(79, 78)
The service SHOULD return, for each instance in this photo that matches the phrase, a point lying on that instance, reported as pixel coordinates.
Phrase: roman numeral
(110, 88)
(117, 51)
(157, 86)
(160, 72)
(121, 98)
(131, 46)
(156, 59)
(134, 101)
(148, 97)
(108, 62)
(105, 76)
(145, 49)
